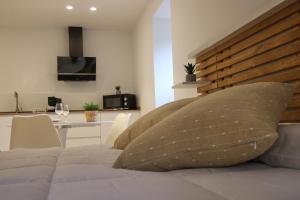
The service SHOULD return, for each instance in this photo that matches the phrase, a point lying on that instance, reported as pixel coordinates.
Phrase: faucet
(16, 95)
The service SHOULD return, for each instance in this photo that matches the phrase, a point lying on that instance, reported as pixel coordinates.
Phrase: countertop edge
(71, 111)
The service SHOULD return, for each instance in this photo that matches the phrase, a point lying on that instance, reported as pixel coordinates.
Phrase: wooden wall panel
(267, 49)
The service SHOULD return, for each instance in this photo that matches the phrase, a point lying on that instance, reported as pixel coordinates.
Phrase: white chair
(33, 132)
(119, 124)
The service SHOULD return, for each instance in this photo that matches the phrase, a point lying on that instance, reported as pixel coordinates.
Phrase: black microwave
(119, 101)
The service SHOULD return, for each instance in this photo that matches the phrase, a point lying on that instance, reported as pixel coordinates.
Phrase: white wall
(198, 24)
(143, 57)
(28, 65)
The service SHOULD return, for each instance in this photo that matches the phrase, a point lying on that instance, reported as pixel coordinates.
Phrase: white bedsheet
(86, 173)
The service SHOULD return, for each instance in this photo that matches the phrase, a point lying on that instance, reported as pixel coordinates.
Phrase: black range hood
(76, 67)
(75, 42)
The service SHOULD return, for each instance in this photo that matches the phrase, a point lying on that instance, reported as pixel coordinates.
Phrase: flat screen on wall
(76, 68)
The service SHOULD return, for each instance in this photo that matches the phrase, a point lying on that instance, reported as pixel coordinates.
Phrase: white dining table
(62, 127)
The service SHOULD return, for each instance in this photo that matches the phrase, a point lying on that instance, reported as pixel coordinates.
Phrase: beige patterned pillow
(149, 120)
(221, 129)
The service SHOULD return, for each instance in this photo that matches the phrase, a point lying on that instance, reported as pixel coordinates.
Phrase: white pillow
(285, 152)
(120, 123)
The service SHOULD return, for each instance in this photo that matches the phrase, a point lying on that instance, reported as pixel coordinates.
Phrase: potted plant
(118, 89)
(91, 111)
(190, 70)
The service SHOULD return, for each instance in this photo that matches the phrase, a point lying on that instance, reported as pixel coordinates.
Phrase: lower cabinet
(75, 136)
(5, 128)
(81, 136)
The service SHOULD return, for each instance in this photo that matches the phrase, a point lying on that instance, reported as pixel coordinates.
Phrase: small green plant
(91, 106)
(190, 68)
(118, 87)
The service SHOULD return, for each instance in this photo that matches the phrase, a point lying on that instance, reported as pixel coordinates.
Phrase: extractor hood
(76, 67)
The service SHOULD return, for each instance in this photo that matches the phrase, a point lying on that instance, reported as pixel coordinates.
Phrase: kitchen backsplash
(29, 101)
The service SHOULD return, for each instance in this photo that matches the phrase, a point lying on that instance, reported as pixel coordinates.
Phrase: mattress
(86, 173)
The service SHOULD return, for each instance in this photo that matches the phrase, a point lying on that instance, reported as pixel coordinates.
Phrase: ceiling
(111, 14)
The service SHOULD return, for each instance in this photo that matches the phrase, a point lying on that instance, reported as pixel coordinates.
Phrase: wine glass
(59, 110)
(66, 111)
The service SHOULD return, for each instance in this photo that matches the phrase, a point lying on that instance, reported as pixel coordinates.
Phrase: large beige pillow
(221, 129)
(148, 120)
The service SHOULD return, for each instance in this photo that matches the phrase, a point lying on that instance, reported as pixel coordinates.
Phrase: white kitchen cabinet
(5, 129)
(75, 136)
(81, 136)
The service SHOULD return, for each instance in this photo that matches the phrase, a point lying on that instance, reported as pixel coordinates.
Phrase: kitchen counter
(71, 111)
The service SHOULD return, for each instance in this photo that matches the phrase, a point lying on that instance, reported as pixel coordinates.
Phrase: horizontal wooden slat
(209, 77)
(283, 64)
(269, 56)
(206, 88)
(224, 83)
(291, 75)
(297, 91)
(210, 61)
(263, 47)
(208, 54)
(208, 70)
(291, 116)
(288, 76)
(265, 34)
(295, 102)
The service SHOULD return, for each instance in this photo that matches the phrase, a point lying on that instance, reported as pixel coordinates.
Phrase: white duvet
(85, 173)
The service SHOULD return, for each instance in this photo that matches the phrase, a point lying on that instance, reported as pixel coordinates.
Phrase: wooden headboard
(267, 49)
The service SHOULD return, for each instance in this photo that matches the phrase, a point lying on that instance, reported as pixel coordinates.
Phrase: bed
(252, 54)
(86, 173)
